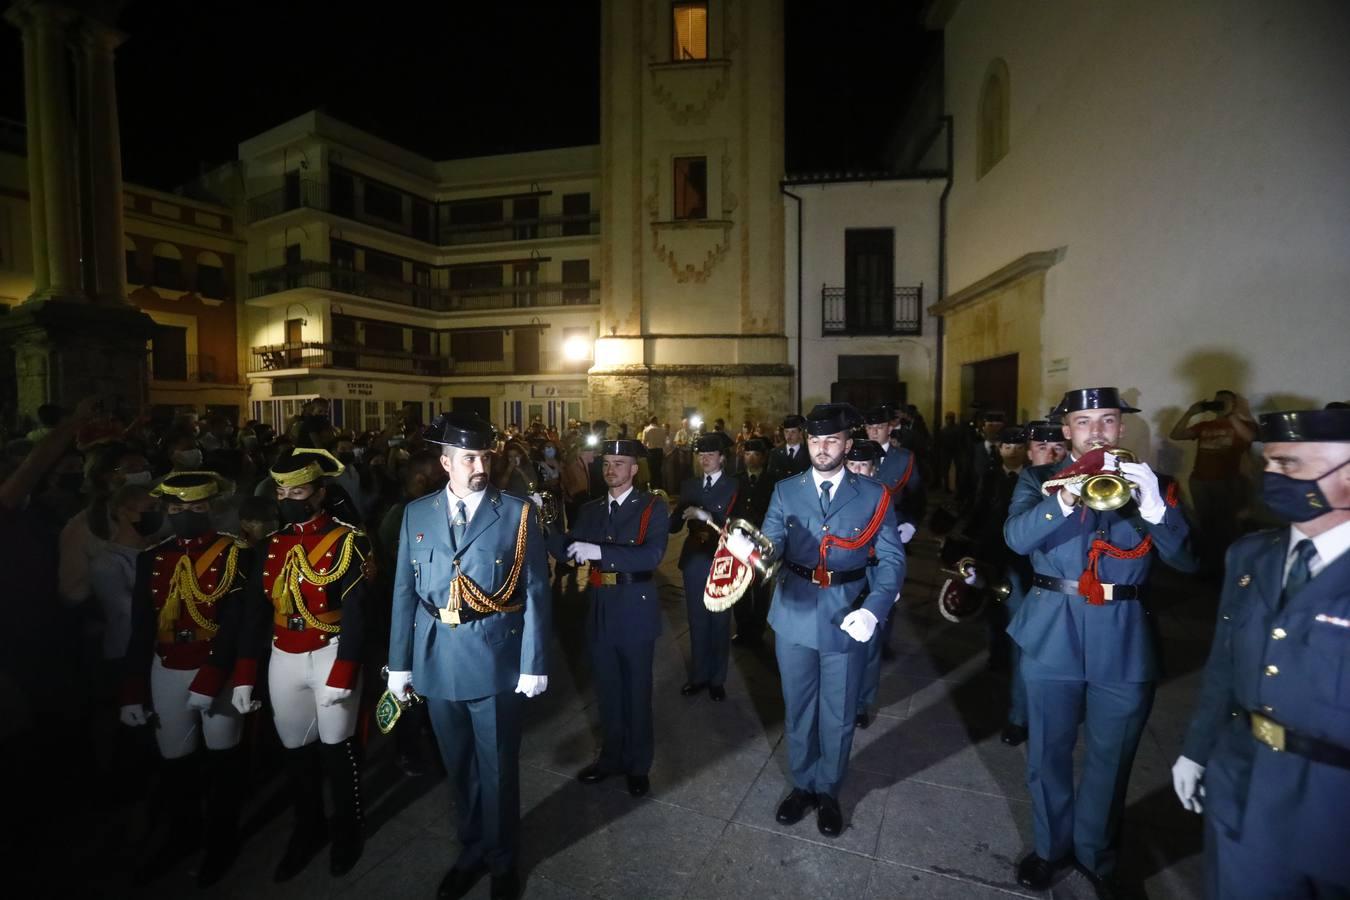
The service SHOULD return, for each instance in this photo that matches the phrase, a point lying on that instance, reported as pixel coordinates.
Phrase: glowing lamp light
(591, 440)
(696, 421)
(576, 348)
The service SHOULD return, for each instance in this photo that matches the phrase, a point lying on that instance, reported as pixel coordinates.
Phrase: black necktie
(1300, 572)
(825, 497)
(613, 510)
(461, 523)
(707, 483)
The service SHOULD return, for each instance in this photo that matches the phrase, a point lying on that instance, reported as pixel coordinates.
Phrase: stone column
(48, 25)
(102, 169)
(18, 15)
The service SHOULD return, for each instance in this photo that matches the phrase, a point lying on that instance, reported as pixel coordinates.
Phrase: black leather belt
(831, 578)
(1277, 737)
(596, 578)
(1066, 586)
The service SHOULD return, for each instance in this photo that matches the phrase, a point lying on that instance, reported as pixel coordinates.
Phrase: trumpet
(1102, 488)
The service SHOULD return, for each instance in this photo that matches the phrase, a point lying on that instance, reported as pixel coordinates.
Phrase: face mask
(187, 459)
(293, 511)
(359, 453)
(549, 453)
(1297, 499)
(190, 524)
(136, 478)
(150, 522)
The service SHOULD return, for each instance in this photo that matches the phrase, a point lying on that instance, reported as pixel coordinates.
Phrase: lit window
(690, 31)
(992, 125)
(691, 187)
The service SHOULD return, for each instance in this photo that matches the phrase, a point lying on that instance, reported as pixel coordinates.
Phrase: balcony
(326, 355)
(191, 368)
(311, 194)
(846, 316)
(327, 277)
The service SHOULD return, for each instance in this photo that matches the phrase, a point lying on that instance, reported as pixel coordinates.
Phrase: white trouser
(293, 680)
(180, 729)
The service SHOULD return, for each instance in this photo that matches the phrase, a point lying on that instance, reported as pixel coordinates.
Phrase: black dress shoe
(1107, 887)
(458, 882)
(691, 688)
(717, 693)
(639, 785)
(505, 886)
(862, 720)
(1036, 873)
(794, 806)
(1014, 734)
(829, 819)
(593, 774)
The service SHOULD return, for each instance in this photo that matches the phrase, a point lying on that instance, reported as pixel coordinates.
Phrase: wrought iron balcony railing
(900, 313)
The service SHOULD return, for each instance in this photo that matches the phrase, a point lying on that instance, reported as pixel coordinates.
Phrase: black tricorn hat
(832, 418)
(794, 421)
(1093, 398)
(1305, 426)
(1012, 434)
(304, 465)
(463, 430)
(878, 415)
(712, 442)
(864, 451)
(624, 447)
(756, 445)
(1042, 430)
(992, 415)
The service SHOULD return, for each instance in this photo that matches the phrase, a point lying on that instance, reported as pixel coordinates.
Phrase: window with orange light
(690, 31)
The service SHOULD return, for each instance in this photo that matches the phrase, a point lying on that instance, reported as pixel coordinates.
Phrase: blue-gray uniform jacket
(622, 613)
(781, 465)
(1291, 663)
(809, 615)
(702, 540)
(484, 655)
(896, 466)
(1113, 642)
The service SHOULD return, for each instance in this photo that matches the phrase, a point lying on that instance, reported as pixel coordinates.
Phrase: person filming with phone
(1219, 489)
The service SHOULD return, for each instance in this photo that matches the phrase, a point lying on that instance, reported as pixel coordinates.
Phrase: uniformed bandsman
(1268, 749)
(186, 606)
(311, 596)
(791, 458)
(704, 501)
(828, 527)
(1088, 654)
(469, 634)
(622, 536)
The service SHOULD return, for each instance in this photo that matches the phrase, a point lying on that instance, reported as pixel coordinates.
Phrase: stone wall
(733, 393)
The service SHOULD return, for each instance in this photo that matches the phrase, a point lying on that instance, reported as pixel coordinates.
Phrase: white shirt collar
(885, 448)
(622, 498)
(792, 448)
(1330, 545)
(715, 476)
(471, 502)
(835, 480)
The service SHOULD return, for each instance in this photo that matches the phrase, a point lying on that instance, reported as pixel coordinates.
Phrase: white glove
(133, 715)
(1074, 489)
(581, 551)
(1151, 505)
(537, 499)
(906, 530)
(1109, 461)
(199, 702)
(695, 512)
(242, 699)
(531, 685)
(328, 695)
(400, 684)
(1186, 776)
(740, 546)
(859, 625)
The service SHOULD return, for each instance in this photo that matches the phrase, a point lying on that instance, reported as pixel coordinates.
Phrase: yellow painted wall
(1007, 320)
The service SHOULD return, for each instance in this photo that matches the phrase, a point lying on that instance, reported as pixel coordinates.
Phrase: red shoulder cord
(646, 518)
(1089, 584)
(834, 540)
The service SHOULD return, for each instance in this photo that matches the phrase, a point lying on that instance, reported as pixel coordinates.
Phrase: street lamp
(577, 348)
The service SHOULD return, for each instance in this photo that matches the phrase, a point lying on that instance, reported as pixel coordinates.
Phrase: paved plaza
(935, 805)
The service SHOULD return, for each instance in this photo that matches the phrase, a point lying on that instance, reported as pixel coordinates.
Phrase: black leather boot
(176, 810)
(224, 797)
(304, 772)
(343, 769)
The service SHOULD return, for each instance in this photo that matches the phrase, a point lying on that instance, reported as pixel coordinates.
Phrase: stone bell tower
(691, 134)
(76, 334)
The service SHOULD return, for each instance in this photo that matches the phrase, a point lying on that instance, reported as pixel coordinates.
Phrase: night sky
(449, 80)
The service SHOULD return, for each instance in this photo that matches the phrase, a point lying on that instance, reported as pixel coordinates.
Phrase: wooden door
(527, 351)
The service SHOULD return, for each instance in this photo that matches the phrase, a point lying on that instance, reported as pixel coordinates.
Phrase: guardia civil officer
(1268, 749)
(1088, 654)
(791, 457)
(307, 610)
(622, 537)
(704, 501)
(469, 634)
(752, 502)
(828, 526)
(187, 601)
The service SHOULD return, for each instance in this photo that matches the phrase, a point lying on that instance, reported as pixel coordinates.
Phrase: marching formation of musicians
(1055, 532)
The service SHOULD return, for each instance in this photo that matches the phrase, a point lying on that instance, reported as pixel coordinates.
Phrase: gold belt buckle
(608, 579)
(1268, 732)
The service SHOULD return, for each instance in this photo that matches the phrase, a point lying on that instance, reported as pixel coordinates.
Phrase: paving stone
(889, 881)
(748, 862)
